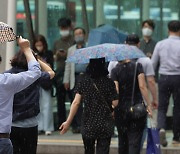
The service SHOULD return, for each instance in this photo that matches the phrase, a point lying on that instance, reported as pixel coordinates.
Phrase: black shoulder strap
(134, 82)
(101, 96)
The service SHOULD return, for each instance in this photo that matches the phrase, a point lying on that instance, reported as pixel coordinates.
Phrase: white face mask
(39, 48)
(79, 39)
(147, 32)
(64, 33)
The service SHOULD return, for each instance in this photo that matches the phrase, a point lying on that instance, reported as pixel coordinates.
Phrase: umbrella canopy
(6, 33)
(111, 52)
(106, 34)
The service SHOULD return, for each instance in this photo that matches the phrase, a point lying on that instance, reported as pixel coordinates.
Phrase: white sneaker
(48, 132)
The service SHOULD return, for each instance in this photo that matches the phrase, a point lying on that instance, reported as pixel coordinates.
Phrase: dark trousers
(6, 146)
(24, 140)
(130, 134)
(102, 146)
(169, 85)
(61, 98)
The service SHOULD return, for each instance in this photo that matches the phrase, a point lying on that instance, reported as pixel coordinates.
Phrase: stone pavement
(72, 144)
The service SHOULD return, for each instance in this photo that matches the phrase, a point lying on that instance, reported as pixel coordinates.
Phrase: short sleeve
(112, 92)
(79, 88)
(114, 75)
(149, 68)
(139, 69)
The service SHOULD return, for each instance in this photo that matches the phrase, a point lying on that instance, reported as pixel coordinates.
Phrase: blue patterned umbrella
(111, 52)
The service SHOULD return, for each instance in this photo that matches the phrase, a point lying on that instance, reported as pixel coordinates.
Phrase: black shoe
(76, 131)
(41, 132)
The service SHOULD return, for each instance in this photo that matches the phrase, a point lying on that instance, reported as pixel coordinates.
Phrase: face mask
(39, 48)
(79, 39)
(64, 33)
(146, 32)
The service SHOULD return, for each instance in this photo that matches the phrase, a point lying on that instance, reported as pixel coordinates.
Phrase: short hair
(19, 60)
(174, 26)
(149, 22)
(83, 30)
(132, 39)
(64, 22)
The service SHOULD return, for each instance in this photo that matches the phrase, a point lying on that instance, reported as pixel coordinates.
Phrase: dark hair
(42, 39)
(0, 58)
(149, 22)
(83, 30)
(174, 26)
(97, 68)
(19, 60)
(64, 22)
(132, 39)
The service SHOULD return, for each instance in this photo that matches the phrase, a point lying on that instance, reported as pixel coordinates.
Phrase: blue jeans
(6, 146)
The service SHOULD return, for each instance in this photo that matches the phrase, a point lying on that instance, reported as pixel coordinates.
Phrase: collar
(174, 37)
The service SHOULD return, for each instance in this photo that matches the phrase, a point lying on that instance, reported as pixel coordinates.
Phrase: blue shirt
(11, 84)
(167, 54)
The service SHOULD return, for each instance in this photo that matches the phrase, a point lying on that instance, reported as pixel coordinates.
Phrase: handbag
(137, 110)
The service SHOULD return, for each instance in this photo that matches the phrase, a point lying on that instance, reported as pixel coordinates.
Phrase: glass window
(21, 17)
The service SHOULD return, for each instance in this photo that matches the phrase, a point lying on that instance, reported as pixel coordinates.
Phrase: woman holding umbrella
(99, 96)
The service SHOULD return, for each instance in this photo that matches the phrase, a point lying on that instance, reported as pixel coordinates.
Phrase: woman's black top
(124, 74)
(97, 119)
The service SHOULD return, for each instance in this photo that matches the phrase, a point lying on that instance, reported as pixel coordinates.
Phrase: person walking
(99, 95)
(167, 55)
(11, 84)
(130, 130)
(46, 120)
(24, 130)
(73, 73)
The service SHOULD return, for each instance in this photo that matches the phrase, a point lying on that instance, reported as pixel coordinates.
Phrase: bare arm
(152, 87)
(74, 107)
(144, 91)
(46, 68)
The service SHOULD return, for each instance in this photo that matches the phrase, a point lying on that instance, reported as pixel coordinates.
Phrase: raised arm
(20, 81)
(46, 68)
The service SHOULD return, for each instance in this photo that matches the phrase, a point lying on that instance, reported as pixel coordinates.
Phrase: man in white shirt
(167, 55)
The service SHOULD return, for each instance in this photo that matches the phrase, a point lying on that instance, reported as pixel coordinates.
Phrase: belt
(4, 135)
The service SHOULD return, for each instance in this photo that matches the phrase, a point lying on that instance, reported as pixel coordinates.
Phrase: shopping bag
(153, 141)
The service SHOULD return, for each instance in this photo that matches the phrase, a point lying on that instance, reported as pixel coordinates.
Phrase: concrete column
(145, 9)
(42, 9)
(7, 15)
(100, 18)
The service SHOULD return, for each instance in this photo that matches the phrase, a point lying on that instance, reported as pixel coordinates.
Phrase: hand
(60, 54)
(149, 54)
(24, 44)
(64, 127)
(66, 86)
(149, 110)
(154, 104)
